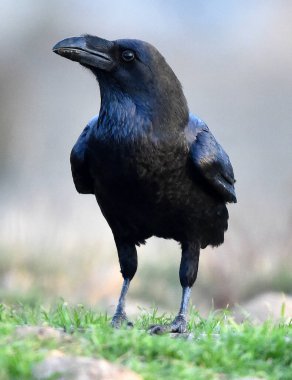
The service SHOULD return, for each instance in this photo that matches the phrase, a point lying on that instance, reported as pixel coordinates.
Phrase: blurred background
(234, 60)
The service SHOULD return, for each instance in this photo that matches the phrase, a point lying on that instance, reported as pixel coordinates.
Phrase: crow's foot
(158, 329)
(120, 319)
(178, 325)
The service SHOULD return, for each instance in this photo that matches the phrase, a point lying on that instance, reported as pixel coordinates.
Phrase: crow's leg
(120, 316)
(128, 263)
(187, 273)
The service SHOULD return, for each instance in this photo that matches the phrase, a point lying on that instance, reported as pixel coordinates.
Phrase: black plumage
(154, 168)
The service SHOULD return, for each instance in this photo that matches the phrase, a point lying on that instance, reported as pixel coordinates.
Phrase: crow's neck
(121, 116)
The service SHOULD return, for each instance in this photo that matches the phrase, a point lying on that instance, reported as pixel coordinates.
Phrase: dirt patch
(66, 367)
(274, 306)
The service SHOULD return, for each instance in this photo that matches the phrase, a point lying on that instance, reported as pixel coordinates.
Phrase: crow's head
(131, 68)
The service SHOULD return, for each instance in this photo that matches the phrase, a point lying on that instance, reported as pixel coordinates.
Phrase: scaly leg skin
(120, 316)
(179, 324)
(187, 274)
(128, 263)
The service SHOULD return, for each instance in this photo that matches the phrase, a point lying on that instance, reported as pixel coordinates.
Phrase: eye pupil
(128, 55)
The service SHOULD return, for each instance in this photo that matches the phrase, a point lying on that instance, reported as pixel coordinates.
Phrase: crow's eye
(128, 55)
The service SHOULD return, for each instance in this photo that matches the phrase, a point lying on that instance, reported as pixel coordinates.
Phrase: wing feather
(211, 161)
(79, 166)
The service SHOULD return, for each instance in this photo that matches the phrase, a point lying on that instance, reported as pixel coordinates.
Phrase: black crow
(154, 168)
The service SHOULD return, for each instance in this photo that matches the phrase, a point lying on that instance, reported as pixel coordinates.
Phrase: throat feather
(122, 120)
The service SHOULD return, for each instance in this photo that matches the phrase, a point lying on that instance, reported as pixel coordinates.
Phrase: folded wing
(79, 165)
(211, 161)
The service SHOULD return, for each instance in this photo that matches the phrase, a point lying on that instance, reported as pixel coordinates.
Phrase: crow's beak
(93, 52)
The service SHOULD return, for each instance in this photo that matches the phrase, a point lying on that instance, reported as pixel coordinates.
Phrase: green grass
(220, 348)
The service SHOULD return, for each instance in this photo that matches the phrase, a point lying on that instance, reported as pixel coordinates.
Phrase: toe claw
(179, 324)
(119, 319)
(157, 329)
